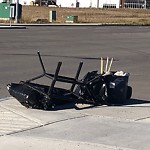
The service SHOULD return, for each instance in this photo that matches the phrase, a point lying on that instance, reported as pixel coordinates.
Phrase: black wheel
(129, 92)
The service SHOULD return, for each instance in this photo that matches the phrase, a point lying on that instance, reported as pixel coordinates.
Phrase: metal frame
(71, 95)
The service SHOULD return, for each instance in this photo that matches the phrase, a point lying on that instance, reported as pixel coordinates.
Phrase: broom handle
(110, 65)
(106, 65)
(101, 65)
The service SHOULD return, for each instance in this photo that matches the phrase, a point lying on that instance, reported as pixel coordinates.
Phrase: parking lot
(99, 127)
(130, 45)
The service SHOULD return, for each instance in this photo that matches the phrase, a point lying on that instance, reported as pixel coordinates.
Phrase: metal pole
(17, 3)
(76, 2)
(97, 3)
(122, 3)
(145, 4)
(10, 16)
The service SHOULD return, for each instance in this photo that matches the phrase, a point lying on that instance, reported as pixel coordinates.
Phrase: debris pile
(107, 87)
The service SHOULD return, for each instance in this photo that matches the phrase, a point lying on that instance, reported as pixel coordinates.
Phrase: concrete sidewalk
(2, 25)
(99, 128)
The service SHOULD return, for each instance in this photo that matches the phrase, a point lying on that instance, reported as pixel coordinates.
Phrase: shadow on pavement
(129, 103)
(63, 107)
(70, 106)
(136, 103)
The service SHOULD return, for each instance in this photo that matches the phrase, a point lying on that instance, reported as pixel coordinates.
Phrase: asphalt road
(130, 45)
(99, 128)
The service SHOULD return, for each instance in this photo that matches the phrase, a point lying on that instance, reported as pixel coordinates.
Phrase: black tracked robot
(95, 89)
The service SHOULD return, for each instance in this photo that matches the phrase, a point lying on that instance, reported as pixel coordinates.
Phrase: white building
(66, 3)
(92, 3)
(103, 3)
(88, 3)
(109, 3)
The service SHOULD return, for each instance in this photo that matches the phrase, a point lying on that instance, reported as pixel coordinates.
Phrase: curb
(12, 27)
(23, 26)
